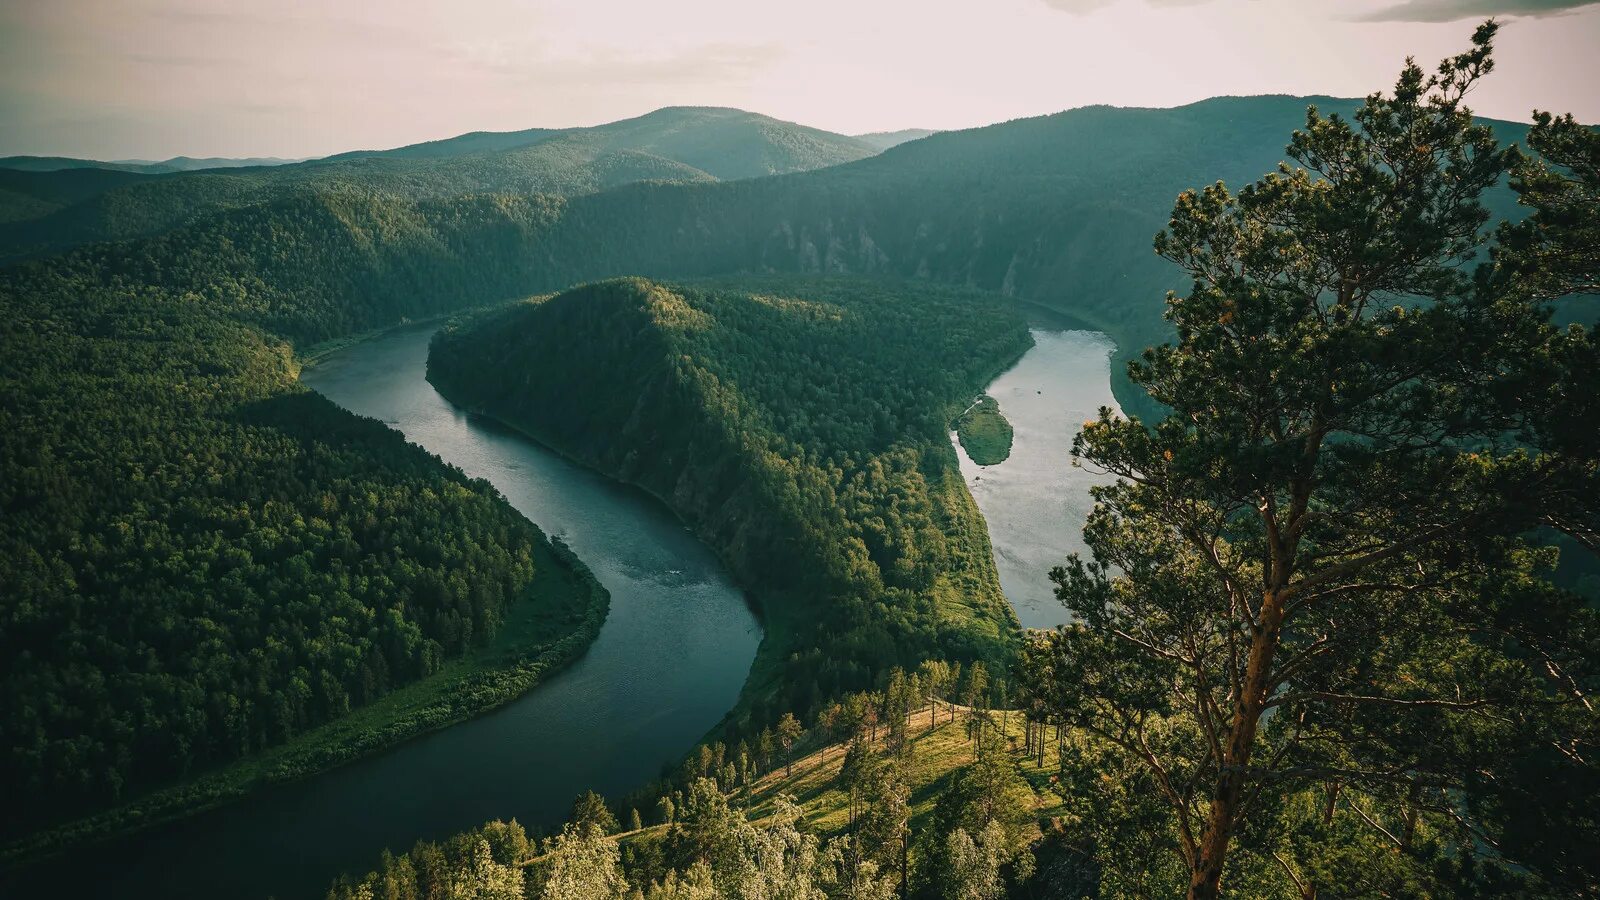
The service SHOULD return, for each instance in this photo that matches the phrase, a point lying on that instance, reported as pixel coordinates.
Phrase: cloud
(1453, 10)
(1077, 7)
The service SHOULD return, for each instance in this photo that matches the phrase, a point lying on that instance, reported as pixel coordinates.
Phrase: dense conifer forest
(1316, 648)
(1335, 636)
(203, 559)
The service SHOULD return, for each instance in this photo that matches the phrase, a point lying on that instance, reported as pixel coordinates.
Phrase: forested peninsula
(800, 427)
(217, 578)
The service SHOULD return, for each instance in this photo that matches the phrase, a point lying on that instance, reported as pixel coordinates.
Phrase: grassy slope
(936, 754)
(984, 432)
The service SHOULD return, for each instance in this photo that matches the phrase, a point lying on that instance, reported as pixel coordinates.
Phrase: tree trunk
(1205, 876)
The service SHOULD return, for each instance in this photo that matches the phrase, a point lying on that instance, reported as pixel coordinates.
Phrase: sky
(121, 79)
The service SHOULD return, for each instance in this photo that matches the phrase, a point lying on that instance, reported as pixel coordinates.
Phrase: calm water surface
(669, 661)
(667, 665)
(1036, 501)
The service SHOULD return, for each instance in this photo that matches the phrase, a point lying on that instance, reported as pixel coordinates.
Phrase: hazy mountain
(883, 140)
(66, 163)
(191, 164)
(685, 144)
(144, 166)
(724, 143)
(1057, 210)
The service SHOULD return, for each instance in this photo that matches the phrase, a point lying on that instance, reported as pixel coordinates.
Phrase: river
(1036, 501)
(669, 661)
(668, 664)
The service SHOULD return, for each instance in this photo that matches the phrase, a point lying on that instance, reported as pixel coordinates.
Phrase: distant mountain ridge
(883, 140)
(142, 166)
(725, 143)
(682, 144)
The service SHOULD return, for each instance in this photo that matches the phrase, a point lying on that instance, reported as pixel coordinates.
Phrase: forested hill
(202, 562)
(724, 143)
(800, 426)
(1058, 210)
(676, 144)
(148, 167)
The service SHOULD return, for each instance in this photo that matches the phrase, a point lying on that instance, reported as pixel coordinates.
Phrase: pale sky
(157, 78)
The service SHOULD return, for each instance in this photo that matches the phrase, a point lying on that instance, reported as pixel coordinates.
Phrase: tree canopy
(1315, 635)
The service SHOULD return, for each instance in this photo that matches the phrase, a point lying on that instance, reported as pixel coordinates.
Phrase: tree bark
(1205, 877)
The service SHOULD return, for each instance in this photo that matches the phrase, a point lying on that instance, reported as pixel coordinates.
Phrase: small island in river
(984, 432)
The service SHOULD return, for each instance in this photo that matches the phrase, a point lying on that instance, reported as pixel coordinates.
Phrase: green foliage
(981, 831)
(799, 427)
(683, 144)
(1314, 651)
(980, 823)
(590, 811)
(199, 559)
(485, 864)
(984, 432)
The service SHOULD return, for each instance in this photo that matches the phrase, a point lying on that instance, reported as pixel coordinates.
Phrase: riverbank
(536, 641)
(1128, 343)
(885, 545)
(1036, 501)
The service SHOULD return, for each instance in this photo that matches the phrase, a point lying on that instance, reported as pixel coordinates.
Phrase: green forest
(800, 427)
(1326, 641)
(41, 212)
(202, 559)
(1335, 634)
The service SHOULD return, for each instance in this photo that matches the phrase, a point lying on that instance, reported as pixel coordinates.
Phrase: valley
(1035, 501)
(704, 506)
(665, 666)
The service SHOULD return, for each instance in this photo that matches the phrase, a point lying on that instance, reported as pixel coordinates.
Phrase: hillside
(208, 567)
(686, 144)
(1057, 210)
(32, 195)
(799, 427)
(142, 166)
(847, 805)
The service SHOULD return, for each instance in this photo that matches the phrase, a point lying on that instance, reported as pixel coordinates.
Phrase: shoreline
(479, 682)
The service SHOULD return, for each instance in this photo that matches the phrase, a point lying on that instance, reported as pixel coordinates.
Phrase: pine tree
(789, 731)
(1311, 577)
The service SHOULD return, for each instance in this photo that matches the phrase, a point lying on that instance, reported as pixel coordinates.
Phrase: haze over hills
(673, 144)
(883, 140)
(1054, 209)
(145, 166)
(724, 143)
(1057, 210)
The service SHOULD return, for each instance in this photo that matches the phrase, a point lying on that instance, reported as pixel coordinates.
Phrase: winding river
(669, 662)
(1036, 501)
